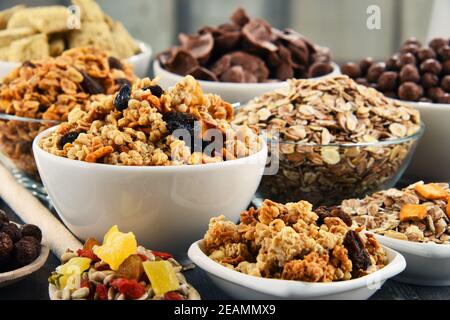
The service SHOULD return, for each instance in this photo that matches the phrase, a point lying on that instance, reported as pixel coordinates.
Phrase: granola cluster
(49, 89)
(419, 212)
(136, 127)
(316, 120)
(290, 241)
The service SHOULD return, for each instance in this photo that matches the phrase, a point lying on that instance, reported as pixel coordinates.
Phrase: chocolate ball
(351, 69)
(445, 84)
(410, 48)
(437, 43)
(429, 80)
(446, 68)
(406, 58)
(318, 69)
(390, 94)
(388, 81)
(3, 217)
(409, 73)
(435, 93)
(375, 71)
(410, 91)
(13, 231)
(6, 246)
(25, 252)
(431, 65)
(444, 98)
(362, 81)
(426, 53)
(413, 41)
(444, 53)
(31, 230)
(364, 65)
(392, 63)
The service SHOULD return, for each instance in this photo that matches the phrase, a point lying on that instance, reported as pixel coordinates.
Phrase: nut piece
(431, 191)
(414, 212)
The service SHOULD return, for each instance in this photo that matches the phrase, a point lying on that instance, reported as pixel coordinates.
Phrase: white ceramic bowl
(140, 62)
(427, 264)
(431, 160)
(242, 286)
(232, 92)
(166, 207)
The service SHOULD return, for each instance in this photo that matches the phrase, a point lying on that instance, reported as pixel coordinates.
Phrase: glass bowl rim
(5, 116)
(415, 136)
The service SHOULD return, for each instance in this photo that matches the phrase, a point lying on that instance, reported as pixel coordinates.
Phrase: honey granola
(292, 242)
(49, 89)
(316, 121)
(137, 126)
(419, 212)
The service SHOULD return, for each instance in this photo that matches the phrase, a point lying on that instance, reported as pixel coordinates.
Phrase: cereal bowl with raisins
(288, 251)
(122, 162)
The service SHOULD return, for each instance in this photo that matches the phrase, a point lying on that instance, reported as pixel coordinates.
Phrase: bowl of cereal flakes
(289, 251)
(33, 33)
(41, 93)
(415, 221)
(148, 158)
(332, 139)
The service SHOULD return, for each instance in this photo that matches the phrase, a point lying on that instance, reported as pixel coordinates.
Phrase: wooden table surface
(35, 287)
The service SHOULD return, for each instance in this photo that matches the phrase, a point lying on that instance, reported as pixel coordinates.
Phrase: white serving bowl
(166, 207)
(427, 264)
(431, 160)
(242, 286)
(140, 62)
(232, 92)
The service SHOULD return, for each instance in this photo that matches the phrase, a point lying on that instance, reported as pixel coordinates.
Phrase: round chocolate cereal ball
(375, 71)
(13, 231)
(388, 81)
(445, 84)
(435, 93)
(392, 63)
(364, 65)
(431, 65)
(437, 43)
(410, 48)
(362, 81)
(319, 69)
(426, 53)
(446, 68)
(31, 230)
(409, 73)
(429, 80)
(445, 98)
(444, 53)
(410, 91)
(414, 41)
(6, 246)
(25, 251)
(351, 69)
(3, 217)
(406, 58)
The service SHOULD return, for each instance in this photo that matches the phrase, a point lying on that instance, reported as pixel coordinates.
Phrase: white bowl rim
(283, 288)
(143, 46)
(422, 104)
(231, 85)
(39, 152)
(426, 250)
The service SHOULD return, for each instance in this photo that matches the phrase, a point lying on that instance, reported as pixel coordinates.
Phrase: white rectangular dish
(242, 286)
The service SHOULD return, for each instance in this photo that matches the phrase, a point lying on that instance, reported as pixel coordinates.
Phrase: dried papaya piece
(448, 207)
(431, 191)
(415, 212)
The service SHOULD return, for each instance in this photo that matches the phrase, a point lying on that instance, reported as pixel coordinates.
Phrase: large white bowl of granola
(122, 162)
(291, 252)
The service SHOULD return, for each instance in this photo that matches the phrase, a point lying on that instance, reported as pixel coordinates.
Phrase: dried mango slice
(431, 191)
(74, 266)
(413, 212)
(162, 276)
(116, 247)
(448, 207)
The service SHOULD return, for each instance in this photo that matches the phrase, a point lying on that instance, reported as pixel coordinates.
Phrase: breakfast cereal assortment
(136, 127)
(419, 212)
(246, 50)
(119, 269)
(40, 32)
(328, 134)
(49, 89)
(416, 73)
(293, 242)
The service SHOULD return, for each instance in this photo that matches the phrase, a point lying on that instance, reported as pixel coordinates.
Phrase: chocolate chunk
(356, 251)
(388, 81)
(182, 62)
(115, 63)
(200, 47)
(352, 70)
(227, 41)
(258, 34)
(410, 91)
(409, 73)
(91, 85)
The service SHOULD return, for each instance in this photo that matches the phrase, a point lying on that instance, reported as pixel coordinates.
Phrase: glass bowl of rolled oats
(292, 251)
(144, 157)
(414, 221)
(332, 139)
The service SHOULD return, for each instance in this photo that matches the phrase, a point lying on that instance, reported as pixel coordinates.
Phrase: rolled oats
(49, 89)
(411, 213)
(291, 242)
(318, 121)
(136, 128)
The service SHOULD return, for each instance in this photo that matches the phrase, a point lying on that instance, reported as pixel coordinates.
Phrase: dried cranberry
(69, 137)
(102, 292)
(172, 295)
(356, 251)
(130, 288)
(156, 90)
(122, 97)
(162, 255)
